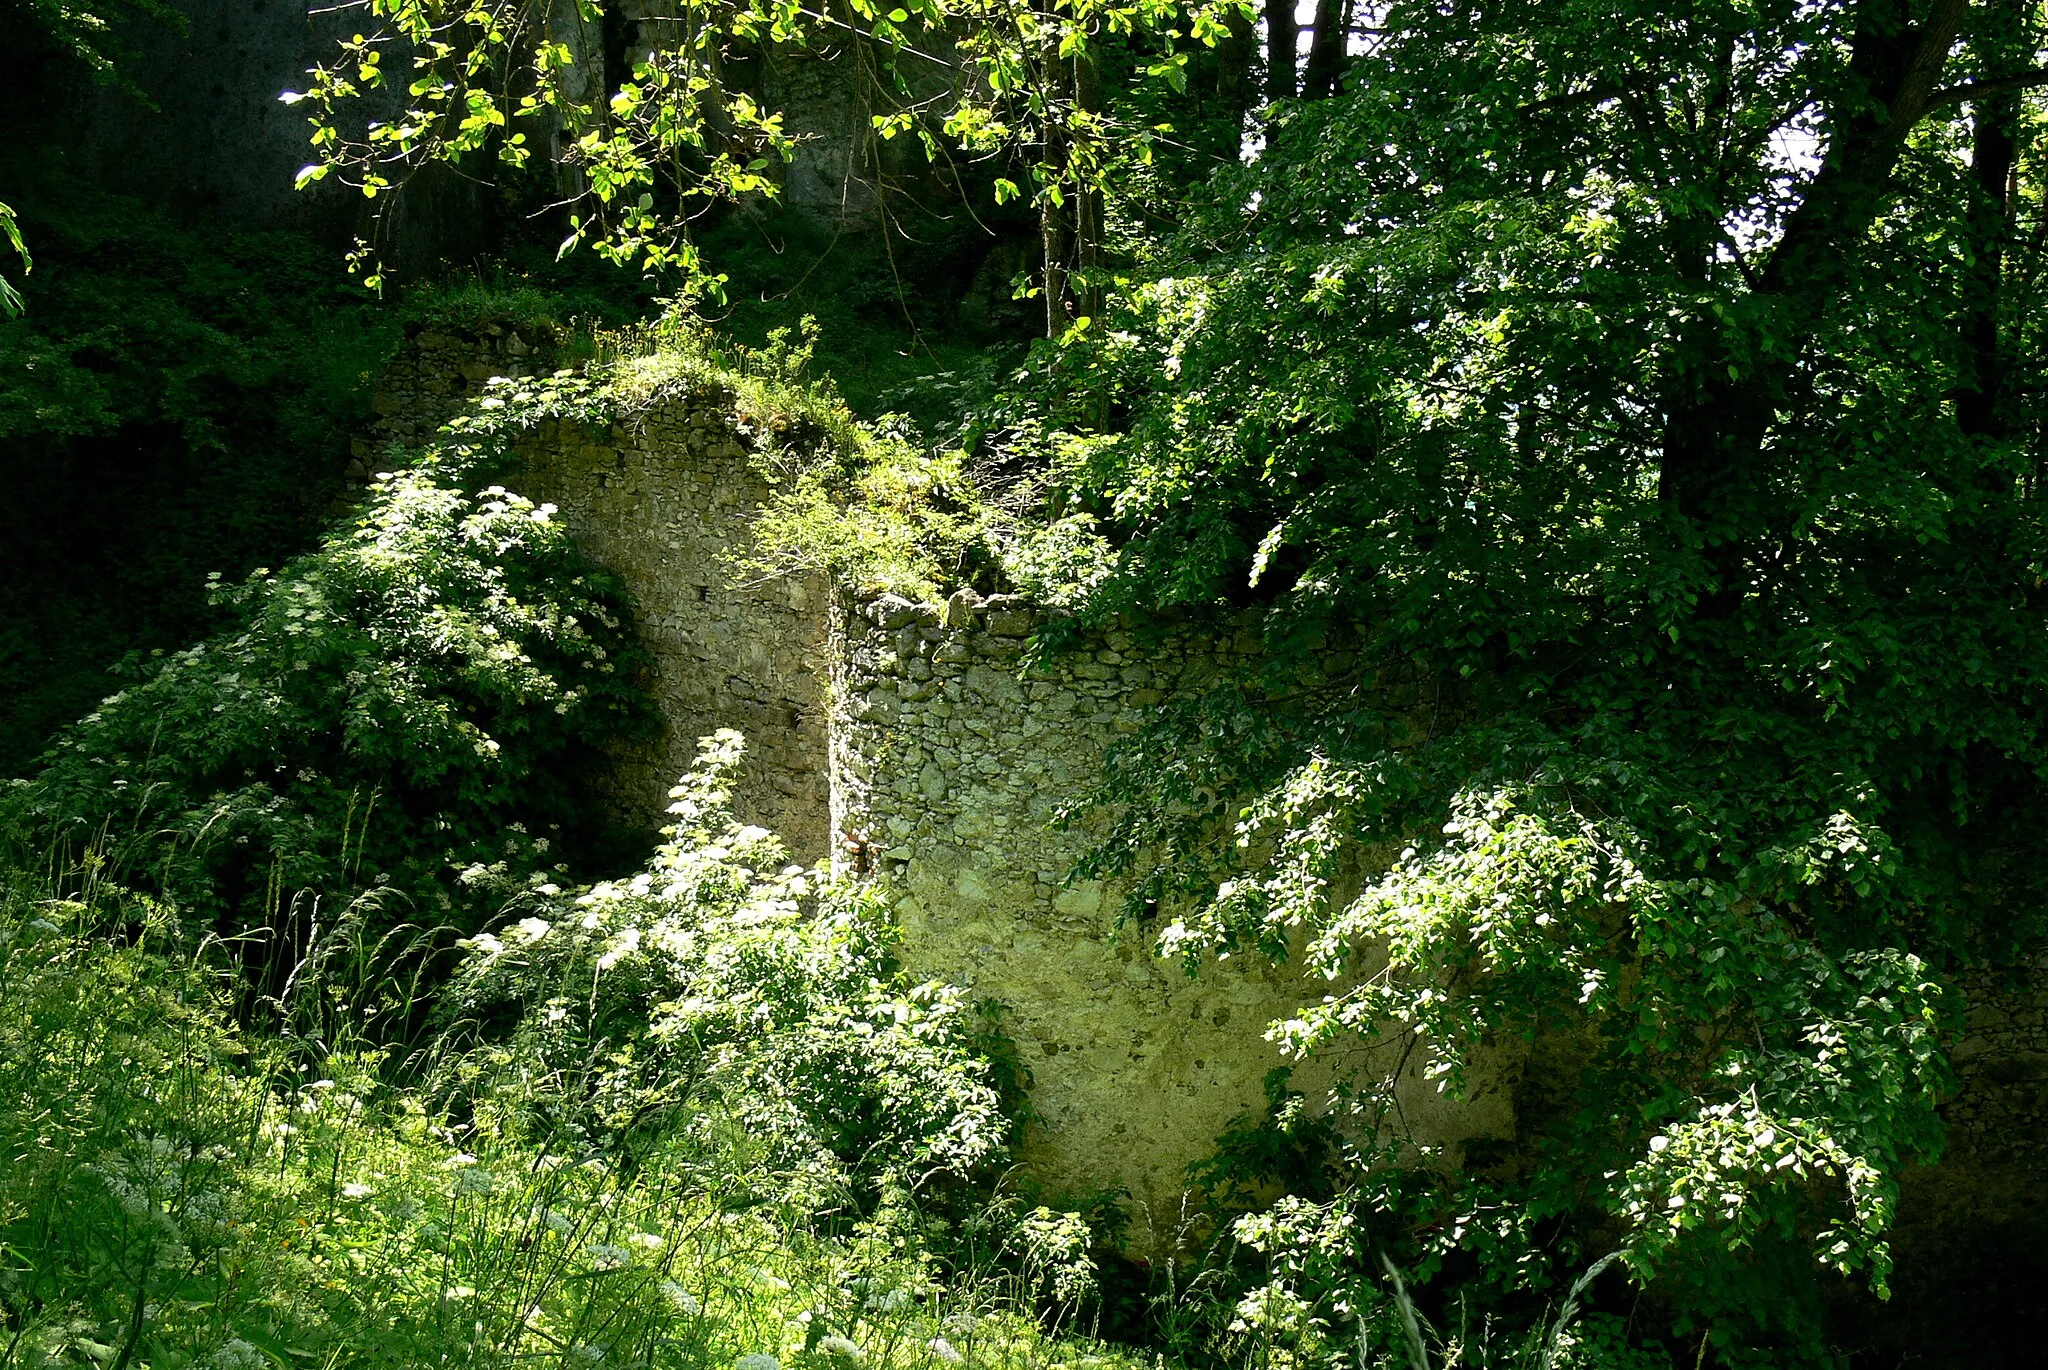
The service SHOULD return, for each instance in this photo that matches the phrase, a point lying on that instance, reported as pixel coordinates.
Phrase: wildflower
(757, 1360)
(681, 1299)
(842, 1349)
(475, 1180)
(589, 1351)
(533, 929)
(606, 1257)
(238, 1355)
(946, 1351)
(353, 1190)
(645, 1241)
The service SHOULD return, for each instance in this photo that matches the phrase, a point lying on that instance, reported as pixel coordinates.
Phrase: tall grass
(177, 1191)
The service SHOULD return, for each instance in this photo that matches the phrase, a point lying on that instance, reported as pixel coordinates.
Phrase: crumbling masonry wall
(663, 498)
(949, 765)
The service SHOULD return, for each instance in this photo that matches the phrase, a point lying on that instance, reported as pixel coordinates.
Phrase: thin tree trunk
(1087, 290)
(1325, 71)
(1282, 37)
(1055, 201)
(1994, 153)
(1234, 71)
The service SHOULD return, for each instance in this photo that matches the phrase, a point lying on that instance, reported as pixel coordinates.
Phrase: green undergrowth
(688, 1118)
(877, 505)
(405, 1082)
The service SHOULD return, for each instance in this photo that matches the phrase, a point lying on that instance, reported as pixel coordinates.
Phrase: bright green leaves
(1709, 801)
(719, 995)
(491, 75)
(443, 653)
(10, 298)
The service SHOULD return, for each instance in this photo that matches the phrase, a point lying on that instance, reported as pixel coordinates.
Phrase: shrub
(183, 1194)
(409, 701)
(724, 996)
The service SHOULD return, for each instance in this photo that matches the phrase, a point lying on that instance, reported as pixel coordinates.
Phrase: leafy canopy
(1628, 417)
(643, 147)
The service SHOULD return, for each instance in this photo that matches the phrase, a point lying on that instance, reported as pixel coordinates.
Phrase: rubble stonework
(950, 763)
(662, 498)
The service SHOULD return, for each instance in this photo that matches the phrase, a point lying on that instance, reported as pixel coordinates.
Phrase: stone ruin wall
(904, 741)
(662, 498)
(908, 742)
(949, 765)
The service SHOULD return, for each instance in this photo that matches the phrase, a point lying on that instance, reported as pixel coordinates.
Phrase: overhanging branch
(1996, 85)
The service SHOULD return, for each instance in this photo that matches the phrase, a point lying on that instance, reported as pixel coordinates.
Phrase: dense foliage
(183, 1193)
(176, 400)
(722, 972)
(1628, 418)
(400, 715)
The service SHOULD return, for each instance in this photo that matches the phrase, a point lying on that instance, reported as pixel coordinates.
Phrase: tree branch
(1996, 85)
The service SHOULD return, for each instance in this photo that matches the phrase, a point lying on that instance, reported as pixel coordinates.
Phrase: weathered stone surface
(663, 500)
(1136, 1066)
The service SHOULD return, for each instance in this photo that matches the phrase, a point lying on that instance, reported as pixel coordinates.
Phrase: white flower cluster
(842, 1349)
(237, 1355)
(604, 1256)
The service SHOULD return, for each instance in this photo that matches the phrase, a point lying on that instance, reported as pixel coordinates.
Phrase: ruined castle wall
(910, 743)
(950, 763)
(662, 498)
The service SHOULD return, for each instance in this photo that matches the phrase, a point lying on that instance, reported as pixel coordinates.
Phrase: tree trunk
(1994, 155)
(1324, 75)
(1282, 38)
(1234, 52)
(1723, 400)
(1055, 201)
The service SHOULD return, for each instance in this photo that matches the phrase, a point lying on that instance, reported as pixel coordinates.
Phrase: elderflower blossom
(842, 1348)
(237, 1355)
